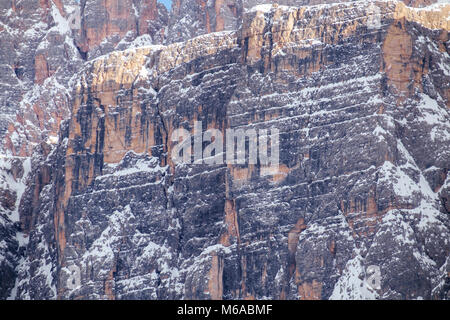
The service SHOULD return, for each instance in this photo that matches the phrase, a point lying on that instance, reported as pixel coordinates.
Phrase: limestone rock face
(192, 18)
(39, 55)
(43, 46)
(359, 92)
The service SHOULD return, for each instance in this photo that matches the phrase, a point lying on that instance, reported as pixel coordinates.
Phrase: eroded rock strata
(360, 94)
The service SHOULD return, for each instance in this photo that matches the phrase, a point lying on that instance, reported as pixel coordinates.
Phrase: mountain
(93, 204)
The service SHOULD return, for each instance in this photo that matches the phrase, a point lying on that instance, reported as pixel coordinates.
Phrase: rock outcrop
(359, 92)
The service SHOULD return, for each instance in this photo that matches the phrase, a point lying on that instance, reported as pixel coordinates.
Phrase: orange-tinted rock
(107, 23)
(189, 231)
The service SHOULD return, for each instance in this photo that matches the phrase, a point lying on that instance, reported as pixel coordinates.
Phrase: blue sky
(167, 3)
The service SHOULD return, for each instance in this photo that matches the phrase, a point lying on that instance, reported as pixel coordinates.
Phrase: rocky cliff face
(359, 93)
(115, 25)
(192, 18)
